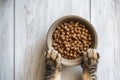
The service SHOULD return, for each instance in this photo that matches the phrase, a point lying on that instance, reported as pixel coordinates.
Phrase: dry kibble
(68, 54)
(71, 22)
(55, 47)
(75, 42)
(89, 38)
(68, 49)
(84, 49)
(71, 39)
(76, 25)
(67, 36)
(65, 56)
(65, 52)
(86, 34)
(72, 31)
(89, 43)
(74, 56)
(83, 26)
(67, 29)
(58, 27)
(65, 24)
(71, 54)
(72, 48)
(67, 33)
(84, 42)
(86, 30)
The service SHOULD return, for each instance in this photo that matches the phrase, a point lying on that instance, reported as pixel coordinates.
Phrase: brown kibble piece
(71, 54)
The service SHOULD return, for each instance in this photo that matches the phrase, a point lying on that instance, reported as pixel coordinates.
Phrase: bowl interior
(77, 61)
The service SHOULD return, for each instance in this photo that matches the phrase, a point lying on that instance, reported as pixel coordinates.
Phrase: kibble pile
(71, 39)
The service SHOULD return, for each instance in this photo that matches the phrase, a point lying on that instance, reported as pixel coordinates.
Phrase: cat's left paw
(53, 60)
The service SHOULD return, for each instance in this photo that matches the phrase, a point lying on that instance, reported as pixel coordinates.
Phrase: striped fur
(53, 66)
(89, 65)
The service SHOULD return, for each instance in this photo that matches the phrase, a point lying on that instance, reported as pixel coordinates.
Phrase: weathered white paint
(105, 16)
(32, 20)
(6, 39)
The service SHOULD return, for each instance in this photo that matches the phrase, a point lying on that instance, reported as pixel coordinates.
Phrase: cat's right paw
(90, 58)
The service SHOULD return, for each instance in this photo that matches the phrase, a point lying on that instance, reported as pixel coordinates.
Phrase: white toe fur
(90, 53)
(54, 54)
(95, 54)
(58, 60)
(49, 54)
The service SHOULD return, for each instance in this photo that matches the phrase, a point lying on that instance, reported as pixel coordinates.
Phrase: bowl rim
(70, 62)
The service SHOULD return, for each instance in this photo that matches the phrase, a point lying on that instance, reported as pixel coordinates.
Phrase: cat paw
(53, 60)
(90, 58)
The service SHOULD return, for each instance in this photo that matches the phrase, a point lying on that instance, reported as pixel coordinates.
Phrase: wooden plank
(33, 18)
(105, 16)
(6, 39)
(81, 8)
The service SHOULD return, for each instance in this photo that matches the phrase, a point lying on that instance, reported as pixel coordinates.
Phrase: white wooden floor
(24, 25)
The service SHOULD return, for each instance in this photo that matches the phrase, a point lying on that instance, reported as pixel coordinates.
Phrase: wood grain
(6, 39)
(32, 20)
(105, 16)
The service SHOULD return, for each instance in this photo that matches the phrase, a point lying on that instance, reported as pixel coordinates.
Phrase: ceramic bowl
(88, 25)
